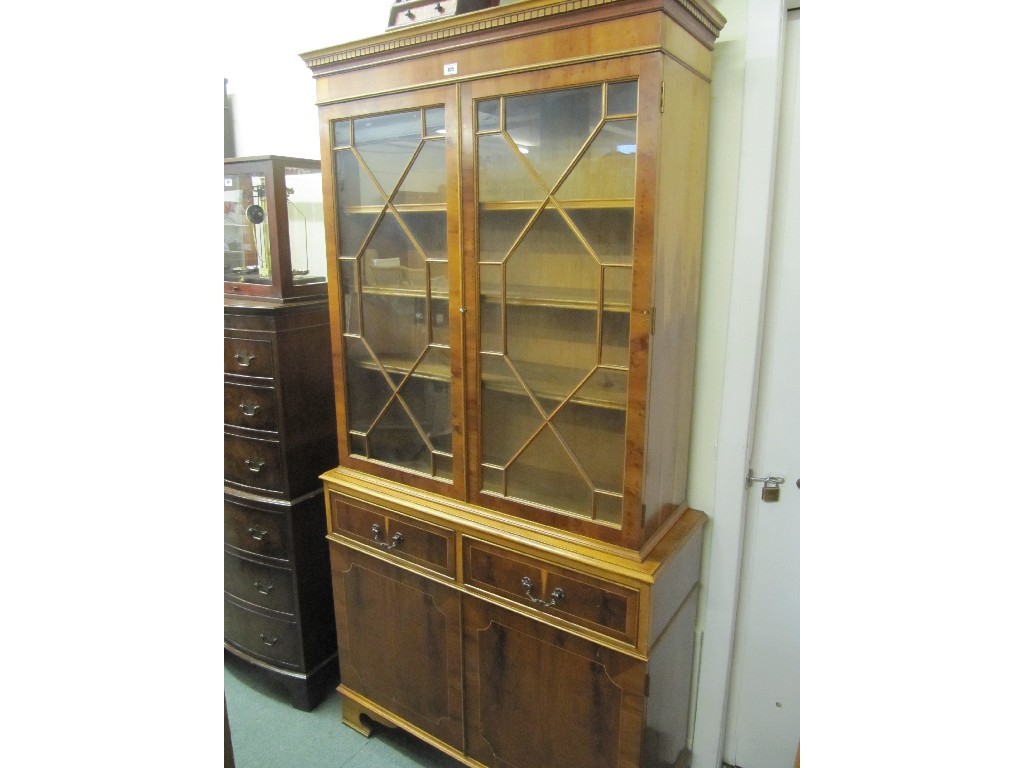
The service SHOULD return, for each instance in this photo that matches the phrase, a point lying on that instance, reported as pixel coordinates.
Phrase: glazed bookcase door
(556, 263)
(396, 282)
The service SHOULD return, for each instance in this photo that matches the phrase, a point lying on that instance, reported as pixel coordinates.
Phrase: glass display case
(274, 245)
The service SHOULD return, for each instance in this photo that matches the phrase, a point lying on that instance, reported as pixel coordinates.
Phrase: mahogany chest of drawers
(279, 435)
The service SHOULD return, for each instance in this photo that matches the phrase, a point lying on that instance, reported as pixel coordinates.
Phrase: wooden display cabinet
(514, 209)
(273, 228)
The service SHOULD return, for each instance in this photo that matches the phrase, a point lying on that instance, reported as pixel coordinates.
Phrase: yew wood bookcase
(513, 210)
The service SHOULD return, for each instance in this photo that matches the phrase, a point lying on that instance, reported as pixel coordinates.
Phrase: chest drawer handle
(244, 359)
(556, 595)
(249, 409)
(260, 588)
(257, 533)
(254, 465)
(397, 539)
(267, 639)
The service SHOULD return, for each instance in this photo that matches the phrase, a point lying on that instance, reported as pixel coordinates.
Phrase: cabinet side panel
(683, 145)
(668, 702)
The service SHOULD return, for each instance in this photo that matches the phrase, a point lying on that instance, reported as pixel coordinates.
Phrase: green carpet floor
(267, 732)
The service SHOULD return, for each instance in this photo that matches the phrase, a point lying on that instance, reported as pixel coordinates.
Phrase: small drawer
(259, 584)
(425, 544)
(585, 600)
(255, 530)
(270, 638)
(248, 357)
(250, 407)
(253, 463)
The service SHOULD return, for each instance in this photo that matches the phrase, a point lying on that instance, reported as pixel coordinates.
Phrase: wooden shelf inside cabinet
(557, 298)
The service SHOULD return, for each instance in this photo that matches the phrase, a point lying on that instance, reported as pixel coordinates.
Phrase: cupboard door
(558, 248)
(392, 160)
(538, 697)
(399, 642)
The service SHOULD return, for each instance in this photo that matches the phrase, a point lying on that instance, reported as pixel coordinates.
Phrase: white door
(763, 725)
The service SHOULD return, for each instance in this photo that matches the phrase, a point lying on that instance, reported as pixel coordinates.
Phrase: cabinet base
(353, 714)
(304, 691)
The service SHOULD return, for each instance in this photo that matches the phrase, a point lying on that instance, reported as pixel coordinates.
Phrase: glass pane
(608, 508)
(622, 98)
(607, 230)
(350, 306)
(425, 182)
(388, 251)
(607, 170)
(342, 132)
(428, 394)
(493, 480)
(367, 386)
(555, 280)
(394, 328)
(434, 118)
(551, 262)
(247, 254)
(395, 440)
(429, 230)
(510, 419)
(552, 350)
(386, 144)
(439, 325)
(551, 128)
(593, 424)
(504, 174)
(499, 230)
(306, 242)
(394, 273)
(359, 203)
(615, 339)
(488, 115)
(544, 474)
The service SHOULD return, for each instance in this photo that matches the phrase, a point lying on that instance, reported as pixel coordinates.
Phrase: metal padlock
(770, 489)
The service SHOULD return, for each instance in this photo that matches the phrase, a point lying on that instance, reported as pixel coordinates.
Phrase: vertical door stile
(470, 324)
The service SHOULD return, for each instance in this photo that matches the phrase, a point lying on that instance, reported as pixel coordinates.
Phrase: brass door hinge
(662, 95)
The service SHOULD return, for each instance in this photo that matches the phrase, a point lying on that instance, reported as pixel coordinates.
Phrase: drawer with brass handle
(555, 590)
(248, 357)
(253, 463)
(261, 635)
(264, 585)
(255, 530)
(251, 407)
(424, 544)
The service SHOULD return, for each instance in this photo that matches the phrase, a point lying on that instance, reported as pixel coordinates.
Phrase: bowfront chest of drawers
(513, 212)
(279, 434)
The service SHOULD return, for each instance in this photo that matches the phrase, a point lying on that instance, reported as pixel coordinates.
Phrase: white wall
(272, 93)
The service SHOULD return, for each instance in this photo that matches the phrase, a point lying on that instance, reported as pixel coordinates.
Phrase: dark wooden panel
(538, 697)
(399, 641)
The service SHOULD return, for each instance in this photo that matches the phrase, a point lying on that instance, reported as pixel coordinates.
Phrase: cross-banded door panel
(391, 195)
(556, 180)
